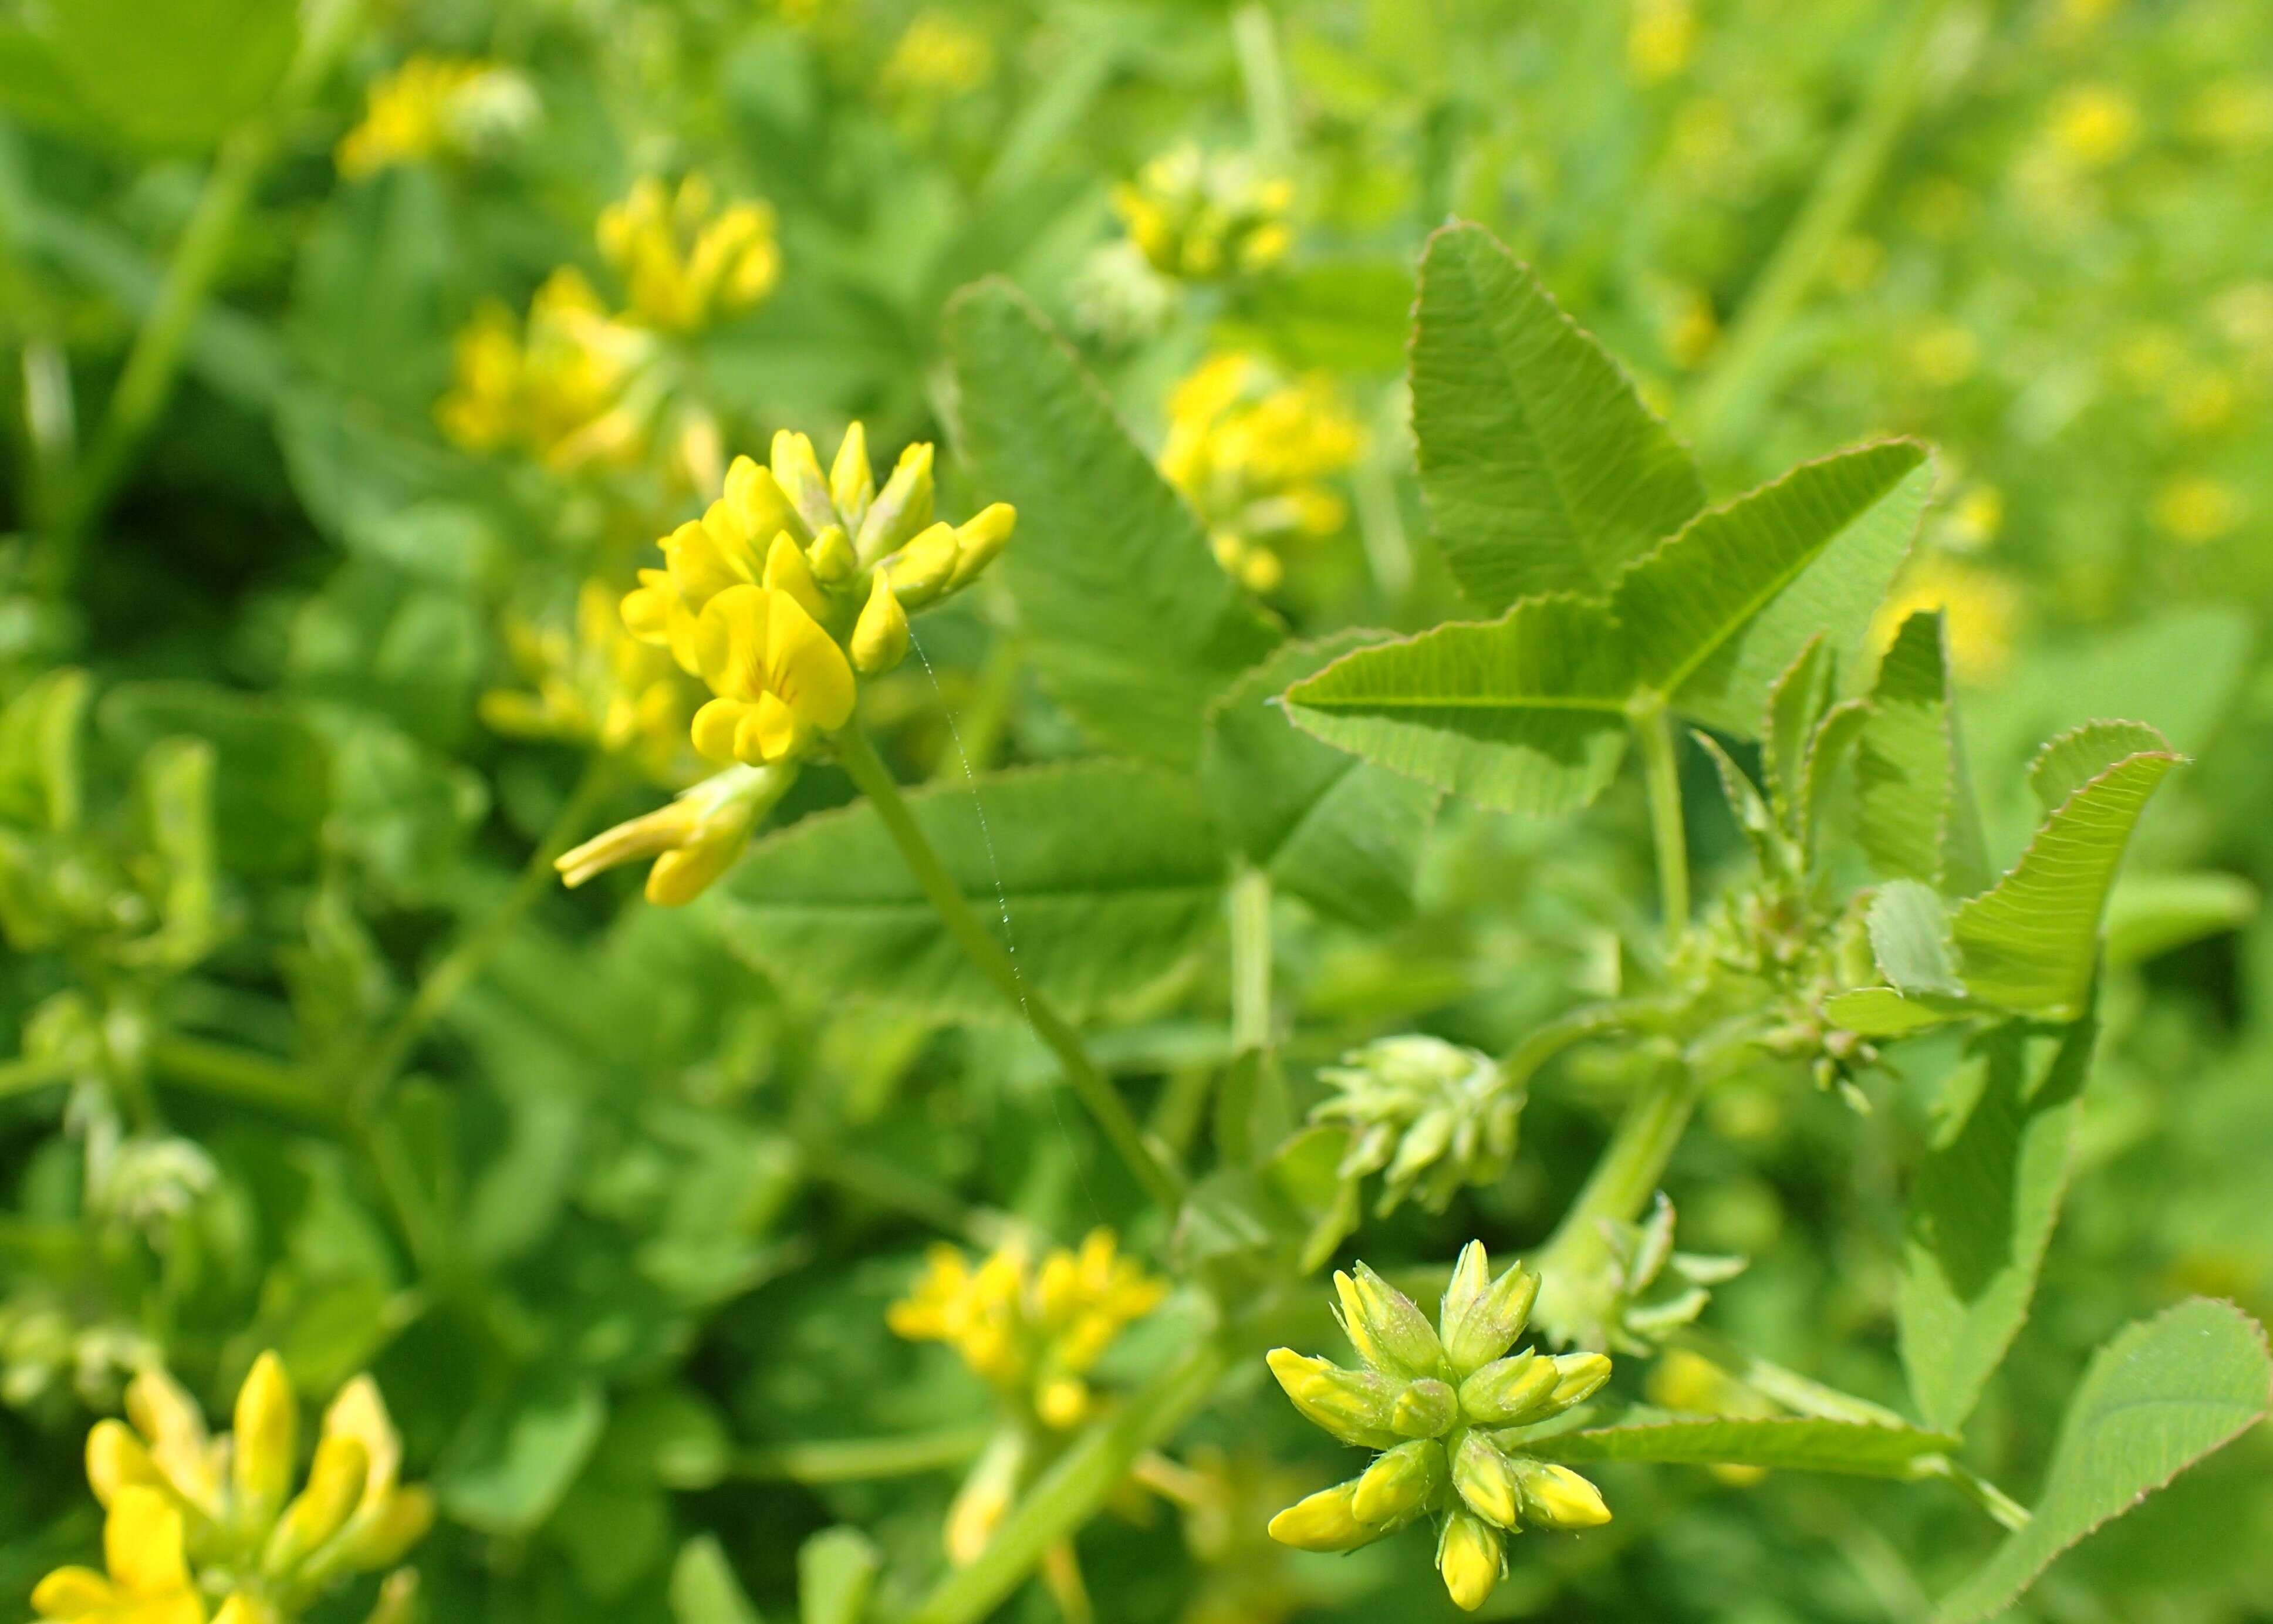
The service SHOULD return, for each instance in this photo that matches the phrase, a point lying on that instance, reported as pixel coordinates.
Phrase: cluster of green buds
(1447, 1407)
(1430, 1115)
(1201, 218)
(193, 1520)
(1656, 1289)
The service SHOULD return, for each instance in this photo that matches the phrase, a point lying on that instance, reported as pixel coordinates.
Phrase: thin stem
(243, 1076)
(2005, 1511)
(1842, 185)
(1251, 960)
(1073, 1489)
(25, 1075)
(1269, 111)
(1542, 1043)
(1090, 1084)
(1661, 777)
(863, 1460)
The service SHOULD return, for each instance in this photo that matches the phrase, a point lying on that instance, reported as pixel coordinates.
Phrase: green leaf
(1796, 704)
(1103, 877)
(1544, 471)
(1338, 831)
(1716, 613)
(2160, 1396)
(1910, 937)
(1791, 1444)
(1839, 732)
(2079, 755)
(835, 1571)
(514, 1461)
(2029, 943)
(1753, 819)
(273, 787)
(1917, 813)
(1525, 713)
(1883, 1012)
(1981, 1208)
(703, 1588)
(171, 77)
(1130, 621)
(2152, 913)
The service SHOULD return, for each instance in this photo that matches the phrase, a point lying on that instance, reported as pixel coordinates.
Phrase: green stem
(1542, 1043)
(2005, 1511)
(1251, 960)
(1268, 110)
(1661, 777)
(241, 1077)
(1842, 185)
(26, 1075)
(1073, 1489)
(1090, 1084)
(862, 1460)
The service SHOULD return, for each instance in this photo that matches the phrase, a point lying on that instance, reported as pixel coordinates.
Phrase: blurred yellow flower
(2094, 126)
(684, 259)
(436, 107)
(2203, 401)
(1251, 451)
(567, 388)
(1940, 355)
(1690, 327)
(1855, 262)
(2236, 114)
(1202, 218)
(938, 55)
(1661, 39)
(1033, 1332)
(595, 684)
(1982, 607)
(2195, 509)
(190, 1515)
(1975, 519)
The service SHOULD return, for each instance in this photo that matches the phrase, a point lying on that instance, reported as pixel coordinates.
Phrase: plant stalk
(863, 1460)
(244, 1078)
(1095, 1091)
(1661, 777)
(1251, 960)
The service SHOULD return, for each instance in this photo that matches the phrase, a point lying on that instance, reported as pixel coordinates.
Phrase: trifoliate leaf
(1917, 818)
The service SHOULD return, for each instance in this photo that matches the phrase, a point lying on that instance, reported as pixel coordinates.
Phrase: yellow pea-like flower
(779, 678)
(685, 260)
(693, 840)
(148, 1579)
(436, 107)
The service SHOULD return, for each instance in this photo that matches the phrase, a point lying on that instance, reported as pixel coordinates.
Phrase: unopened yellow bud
(879, 639)
(693, 840)
(244, 1608)
(1388, 1331)
(981, 539)
(384, 1533)
(335, 1483)
(142, 1545)
(1425, 1409)
(116, 1460)
(1324, 1522)
(267, 1437)
(832, 556)
(851, 484)
(1483, 1317)
(1508, 1391)
(1557, 1497)
(901, 509)
(1355, 1406)
(1469, 1556)
(168, 1421)
(1399, 1483)
(922, 569)
(758, 501)
(787, 571)
(798, 473)
(1487, 1482)
(1578, 1376)
(1062, 1403)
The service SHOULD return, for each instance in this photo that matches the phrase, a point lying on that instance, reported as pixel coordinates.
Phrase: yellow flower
(779, 678)
(1033, 1332)
(2236, 114)
(569, 391)
(599, 685)
(685, 260)
(1203, 219)
(2195, 509)
(693, 840)
(1981, 606)
(2094, 126)
(1941, 354)
(940, 55)
(435, 107)
(190, 1515)
(1975, 519)
(1251, 452)
(1661, 38)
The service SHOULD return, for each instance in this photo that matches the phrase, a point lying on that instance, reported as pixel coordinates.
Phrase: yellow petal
(142, 1542)
(879, 639)
(700, 566)
(852, 481)
(384, 1533)
(924, 567)
(980, 540)
(806, 667)
(798, 473)
(335, 1483)
(714, 727)
(116, 1458)
(757, 498)
(267, 1435)
(787, 571)
(731, 641)
(359, 1412)
(769, 732)
(72, 1593)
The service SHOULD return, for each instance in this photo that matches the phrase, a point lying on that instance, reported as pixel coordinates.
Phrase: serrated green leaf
(1525, 713)
(1910, 937)
(1883, 1012)
(1981, 1207)
(1788, 1444)
(1123, 610)
(703, 1588)
(1835, 735)
(1109, 873)
(2160, 1396)
(2073, 760)
(1796, 704)
(1751, 811)
(1327, 826)
(1544, 472)
(1716, 613)
(2029, 943)
(1916, 816)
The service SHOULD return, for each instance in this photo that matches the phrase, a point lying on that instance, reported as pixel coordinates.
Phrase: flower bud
(880, 639)
(1487, 1481)
(797, 471)
(1398, 1484)
(1557, 1497)
(1388, 1332)
(383, 1534)
(832, 556)
(116, 1460)
(921, 570)
(1469, 1557)
(1578, 1376)
(851, 484)
(901, 509)
(1324, 1522)
(168, 1419)
(1355, 1406)
(980, 540)
(397, 1598)
(267, 1438)
(1510, 1392)
(1481, 1322)
(787, 571)
(1425, 1409)
(335, 1483)
(759, 501)
(243, 1607)
(693, 840)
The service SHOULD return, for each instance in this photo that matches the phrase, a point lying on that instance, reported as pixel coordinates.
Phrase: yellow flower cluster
(596, 685)
(938, 55)
(1033, 1333)
(1981, 606)
(1661, 39)
(190, 1515)
(436, 107)
(558, 389)
(685, 260)
(1204, 218)
(1251, 452)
